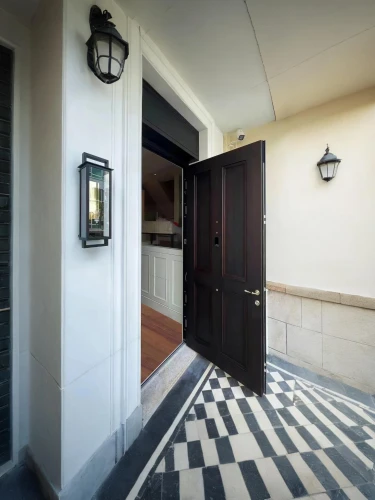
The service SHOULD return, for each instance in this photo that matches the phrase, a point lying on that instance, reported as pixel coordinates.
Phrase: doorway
(170, 143)
(223, 235)
(162, 261)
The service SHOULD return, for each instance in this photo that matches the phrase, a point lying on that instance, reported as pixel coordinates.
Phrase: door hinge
(185, 323)
(185, 210)
(186, 300)
(264, 219)
(185, 185)
(185, 241)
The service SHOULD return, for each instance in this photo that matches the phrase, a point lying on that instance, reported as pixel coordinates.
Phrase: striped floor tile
(297, 441)
(280, 478)
(264, 444)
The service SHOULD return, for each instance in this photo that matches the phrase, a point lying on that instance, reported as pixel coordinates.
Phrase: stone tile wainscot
(328, 332)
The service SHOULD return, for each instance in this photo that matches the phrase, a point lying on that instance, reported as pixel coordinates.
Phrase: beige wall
(322, 235)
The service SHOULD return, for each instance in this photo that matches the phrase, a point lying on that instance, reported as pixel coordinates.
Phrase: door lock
(257, 303)
(257, 292)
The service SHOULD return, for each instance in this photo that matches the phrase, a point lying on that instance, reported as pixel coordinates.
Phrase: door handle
(257, 292)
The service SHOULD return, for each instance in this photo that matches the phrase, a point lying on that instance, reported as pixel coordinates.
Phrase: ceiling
(23, 9)
(250, 61)
(155, 165)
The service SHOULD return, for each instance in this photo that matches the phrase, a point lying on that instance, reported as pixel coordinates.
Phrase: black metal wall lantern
(328, 165)
(106, 49)
(95, 217)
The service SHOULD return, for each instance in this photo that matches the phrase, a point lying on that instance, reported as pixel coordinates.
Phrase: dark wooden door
(224, 262)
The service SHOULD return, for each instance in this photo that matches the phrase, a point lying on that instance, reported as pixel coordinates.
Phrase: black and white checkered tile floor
(297, 441)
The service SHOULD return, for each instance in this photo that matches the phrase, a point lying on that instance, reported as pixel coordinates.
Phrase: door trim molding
(164, 78)
(211, 142)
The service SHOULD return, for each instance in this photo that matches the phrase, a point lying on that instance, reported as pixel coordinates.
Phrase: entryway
(221, 240)
(170, 143)
(162, 261)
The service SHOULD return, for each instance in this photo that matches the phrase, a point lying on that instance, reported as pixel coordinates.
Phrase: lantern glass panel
(107, 203)
(335, 168)
(84, 227)
(118, 56)
(102, 53)
(330, 170)
(323, 170)
(98, 203)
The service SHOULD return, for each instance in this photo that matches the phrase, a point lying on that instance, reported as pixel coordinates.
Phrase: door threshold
(157, 388)
(162, 363)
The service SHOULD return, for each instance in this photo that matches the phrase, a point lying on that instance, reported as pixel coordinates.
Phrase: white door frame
(146, 57)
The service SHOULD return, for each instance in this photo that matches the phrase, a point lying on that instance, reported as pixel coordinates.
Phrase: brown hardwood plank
(160, 337)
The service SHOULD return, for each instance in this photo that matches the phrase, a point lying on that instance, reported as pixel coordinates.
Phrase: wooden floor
(160, 337)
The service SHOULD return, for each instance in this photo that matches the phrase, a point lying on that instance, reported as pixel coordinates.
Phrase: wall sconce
(106, 49)
(328, 165)
(95, 217)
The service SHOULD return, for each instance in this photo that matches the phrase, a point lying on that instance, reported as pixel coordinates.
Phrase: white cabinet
(162, 280)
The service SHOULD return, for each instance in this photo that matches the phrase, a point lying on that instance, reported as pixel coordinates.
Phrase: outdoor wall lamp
(328, 165)
(95, 218)
(106, 49)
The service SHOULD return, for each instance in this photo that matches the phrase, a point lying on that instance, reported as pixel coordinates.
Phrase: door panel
(199, 259)
(234, 320)
(234, 221)
(203, 221)
(203, 314)
(224, 262)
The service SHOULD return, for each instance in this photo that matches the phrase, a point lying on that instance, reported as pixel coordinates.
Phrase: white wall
(80, 347)
(102, 286)
(321, 235)
(92, 278)
(45, 238)
(16, 36)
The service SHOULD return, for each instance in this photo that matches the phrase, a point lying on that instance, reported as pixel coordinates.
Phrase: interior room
(162, 261)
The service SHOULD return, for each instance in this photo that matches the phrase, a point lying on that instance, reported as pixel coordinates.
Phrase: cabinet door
(146, 274)
(159, 278)
(175, 283)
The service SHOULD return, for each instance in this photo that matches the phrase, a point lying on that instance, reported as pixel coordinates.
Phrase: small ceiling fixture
(106, 49)
(328, 165)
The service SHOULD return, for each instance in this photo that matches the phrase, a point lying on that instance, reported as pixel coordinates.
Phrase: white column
(133, 239)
